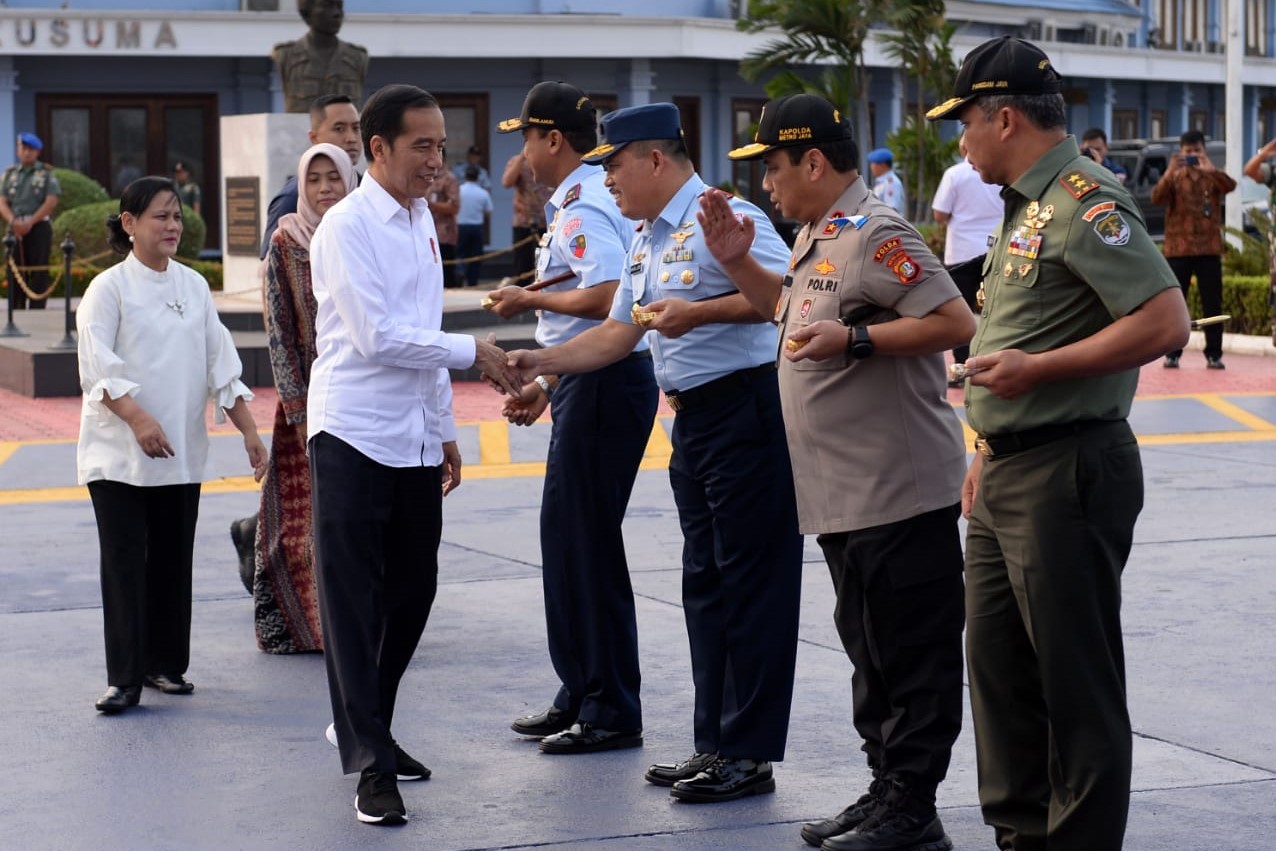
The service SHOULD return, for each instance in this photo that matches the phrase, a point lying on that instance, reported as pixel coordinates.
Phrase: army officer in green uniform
(28, 195)
(1076, 298)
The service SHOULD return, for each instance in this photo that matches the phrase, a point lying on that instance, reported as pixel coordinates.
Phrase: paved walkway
(242, 764)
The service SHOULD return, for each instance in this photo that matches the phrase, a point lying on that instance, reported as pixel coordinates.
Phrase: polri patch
(904, 267)
(885, 248)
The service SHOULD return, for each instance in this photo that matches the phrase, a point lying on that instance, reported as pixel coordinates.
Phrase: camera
(1087, 152)
(1192, 159)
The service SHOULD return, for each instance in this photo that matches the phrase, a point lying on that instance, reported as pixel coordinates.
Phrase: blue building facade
(119, 88)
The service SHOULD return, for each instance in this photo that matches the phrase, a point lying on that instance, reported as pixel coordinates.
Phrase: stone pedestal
(259, 154)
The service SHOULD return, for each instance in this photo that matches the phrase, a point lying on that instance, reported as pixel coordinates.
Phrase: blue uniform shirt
(890, 189)
(587, 236)
(668, 259)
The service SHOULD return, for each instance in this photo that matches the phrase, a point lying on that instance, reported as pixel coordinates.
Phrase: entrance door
(115, 139)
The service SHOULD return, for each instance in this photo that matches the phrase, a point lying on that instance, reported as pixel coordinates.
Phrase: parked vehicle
(1145, 160)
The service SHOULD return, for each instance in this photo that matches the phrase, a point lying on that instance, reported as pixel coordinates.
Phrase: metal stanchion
(68, 341)
(11, 330)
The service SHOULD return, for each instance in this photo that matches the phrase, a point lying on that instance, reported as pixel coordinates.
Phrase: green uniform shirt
(189, 193)
(26, 188)
(1072, 256)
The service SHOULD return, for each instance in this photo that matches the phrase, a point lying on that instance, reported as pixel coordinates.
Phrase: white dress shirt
(380, 382)
(975, 209)
(154, 336)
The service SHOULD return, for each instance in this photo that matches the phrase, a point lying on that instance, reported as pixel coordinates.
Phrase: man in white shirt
(383, 447)
(972, 211)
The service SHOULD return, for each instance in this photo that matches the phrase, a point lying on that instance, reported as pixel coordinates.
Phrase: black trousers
(602, 421)
(1047, 541)
(469, 243)
(741, 568)
(33, 250)
(525, 255)
(1208, 269)
(899, 613)
(147, 540)
(967, 276)
(377, 532)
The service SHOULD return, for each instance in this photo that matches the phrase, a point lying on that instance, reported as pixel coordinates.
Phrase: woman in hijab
(285, 600)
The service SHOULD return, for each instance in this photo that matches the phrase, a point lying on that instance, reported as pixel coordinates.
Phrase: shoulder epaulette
(1078, 184)
(572, 195)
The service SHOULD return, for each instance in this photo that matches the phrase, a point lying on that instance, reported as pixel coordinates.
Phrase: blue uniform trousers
(741, 567)
(602, 421)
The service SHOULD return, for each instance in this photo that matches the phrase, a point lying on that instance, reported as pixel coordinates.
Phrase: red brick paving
(22, 418)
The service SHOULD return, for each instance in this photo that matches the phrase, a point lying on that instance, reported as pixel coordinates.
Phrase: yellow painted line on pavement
(494, 443)
(7, 448)
(1235, 412)
(658, 445)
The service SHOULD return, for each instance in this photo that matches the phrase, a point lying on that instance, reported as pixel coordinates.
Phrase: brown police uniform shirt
(872, 441)
(1072, 256)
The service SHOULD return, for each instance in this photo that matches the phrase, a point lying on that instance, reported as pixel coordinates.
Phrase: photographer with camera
(1094, 144)
(1192, 191)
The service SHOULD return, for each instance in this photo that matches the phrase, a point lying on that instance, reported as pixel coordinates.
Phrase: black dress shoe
(542, 724)
(583, 737)
(243, 534)
(725, 780)
(815, 832)
(1214, 363)
(669, 773)
(169, 683)
(891, 828)
(1171, 362)
(118, 698)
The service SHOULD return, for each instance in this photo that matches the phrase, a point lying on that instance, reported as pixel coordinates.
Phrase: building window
(1125, 124)
(116, 139)
(466, 117)
(689, 114)
(1199, 119)
(747, 176)
(1157, 124)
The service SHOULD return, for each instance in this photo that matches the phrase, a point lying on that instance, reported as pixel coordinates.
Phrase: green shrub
(87, 226)
(1245, 298)
(78, 190)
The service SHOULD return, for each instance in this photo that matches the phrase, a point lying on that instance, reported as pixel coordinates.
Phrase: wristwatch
(858, 344)
(543, 383)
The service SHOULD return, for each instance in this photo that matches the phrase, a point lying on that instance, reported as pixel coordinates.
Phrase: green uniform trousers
(1047, 540)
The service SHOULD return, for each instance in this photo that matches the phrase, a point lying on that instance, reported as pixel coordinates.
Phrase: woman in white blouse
(152, 353)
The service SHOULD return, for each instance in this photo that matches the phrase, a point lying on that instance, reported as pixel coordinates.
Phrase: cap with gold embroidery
(552, 105)
(635, 124)
(1000, 66)
(794, 120)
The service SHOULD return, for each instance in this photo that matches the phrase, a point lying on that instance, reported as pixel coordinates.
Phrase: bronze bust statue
(319, 63)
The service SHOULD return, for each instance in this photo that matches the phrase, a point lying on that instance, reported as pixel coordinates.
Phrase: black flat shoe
(669, 773)
(243, 534)
(584, 737)
(118, 698)
(726, 780)
(542, 724)
(169, 683)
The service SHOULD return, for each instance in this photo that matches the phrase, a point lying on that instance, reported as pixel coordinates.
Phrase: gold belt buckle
(673, 401)
(983, 448)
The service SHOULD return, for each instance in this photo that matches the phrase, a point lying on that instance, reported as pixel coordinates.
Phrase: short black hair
(580, 141)
(1094, 133)
(383, 113)
(843, 155)
(674, 149)
(137, 196)
(319, 107)
(1045, 111)
(1192, 137)
(471, 172)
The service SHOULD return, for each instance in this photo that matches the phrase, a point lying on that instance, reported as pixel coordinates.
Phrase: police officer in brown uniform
(1077, 297)
(866, 312)
(29, 193)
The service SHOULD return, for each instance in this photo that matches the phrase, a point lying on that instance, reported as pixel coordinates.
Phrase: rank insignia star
(1077, 184)
(824, 267)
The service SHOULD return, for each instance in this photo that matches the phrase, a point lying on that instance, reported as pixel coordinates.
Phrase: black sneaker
(1171, 362)
(892, 828)
(1214, 363)
(815, 832)
(669, 773)
(377, 800)
(407, 768)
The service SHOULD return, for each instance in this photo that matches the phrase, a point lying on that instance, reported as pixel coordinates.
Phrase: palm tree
(828, 32)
